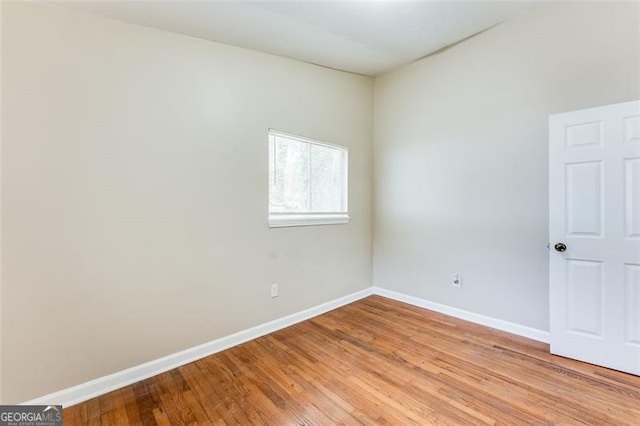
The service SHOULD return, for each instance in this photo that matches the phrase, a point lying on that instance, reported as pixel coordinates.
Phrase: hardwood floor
(376, 361)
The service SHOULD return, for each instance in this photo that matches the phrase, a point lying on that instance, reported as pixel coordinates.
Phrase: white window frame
(279, 220)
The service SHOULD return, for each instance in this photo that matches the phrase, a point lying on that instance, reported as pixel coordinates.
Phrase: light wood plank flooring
(376, 361)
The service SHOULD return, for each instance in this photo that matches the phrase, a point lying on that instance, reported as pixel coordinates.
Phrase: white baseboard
(509, 327)
(93, 388)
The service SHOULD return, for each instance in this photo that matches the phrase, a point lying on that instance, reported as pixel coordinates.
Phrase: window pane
(307, 182)
(289, 189)
(327, 179)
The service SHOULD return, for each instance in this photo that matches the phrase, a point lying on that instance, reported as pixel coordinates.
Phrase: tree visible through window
(307, 181)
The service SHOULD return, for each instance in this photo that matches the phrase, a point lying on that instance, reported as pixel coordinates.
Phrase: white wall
(461, 154)
(134, 194)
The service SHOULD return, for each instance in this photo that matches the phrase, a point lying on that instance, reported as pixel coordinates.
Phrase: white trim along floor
(102, 385)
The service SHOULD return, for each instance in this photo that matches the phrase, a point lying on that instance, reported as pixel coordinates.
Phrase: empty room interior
(320, 213)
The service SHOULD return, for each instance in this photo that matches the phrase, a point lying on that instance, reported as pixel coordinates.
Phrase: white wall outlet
(456, 281)
(274, 290)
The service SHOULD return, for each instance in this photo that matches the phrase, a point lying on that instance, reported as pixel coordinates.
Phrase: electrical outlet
(274, 290)
(456, 281)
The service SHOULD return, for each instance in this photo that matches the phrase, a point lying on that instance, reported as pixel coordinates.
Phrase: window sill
(281, 221)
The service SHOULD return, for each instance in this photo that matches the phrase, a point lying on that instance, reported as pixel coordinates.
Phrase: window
(307, 181)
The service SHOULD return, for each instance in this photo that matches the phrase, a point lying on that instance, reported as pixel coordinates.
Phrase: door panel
(632, 281)
(632, 129)
(632, 197)
(584, 135)
(594, 208)
(584, 297)
(584, 198)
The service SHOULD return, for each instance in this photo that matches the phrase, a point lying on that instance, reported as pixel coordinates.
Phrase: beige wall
(461, 154)
(134, 191)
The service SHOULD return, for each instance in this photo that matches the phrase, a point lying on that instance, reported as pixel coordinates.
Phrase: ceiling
(362, 37)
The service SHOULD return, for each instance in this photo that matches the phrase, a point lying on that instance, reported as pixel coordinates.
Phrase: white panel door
(594, 222)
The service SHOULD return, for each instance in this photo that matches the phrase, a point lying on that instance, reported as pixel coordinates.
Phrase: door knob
(560, 247)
